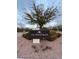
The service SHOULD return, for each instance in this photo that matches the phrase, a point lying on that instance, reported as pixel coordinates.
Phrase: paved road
(26, 51)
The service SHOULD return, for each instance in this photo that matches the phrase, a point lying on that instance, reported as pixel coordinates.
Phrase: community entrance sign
(39, 34)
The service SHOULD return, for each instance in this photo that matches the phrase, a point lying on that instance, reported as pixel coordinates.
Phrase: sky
(25, 5)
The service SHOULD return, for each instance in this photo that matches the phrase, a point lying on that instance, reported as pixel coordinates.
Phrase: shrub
(26, 35)
(58, 27)
(23, 29)
(19, 30)
(53, 35)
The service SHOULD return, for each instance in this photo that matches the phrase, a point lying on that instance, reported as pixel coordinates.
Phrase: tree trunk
(41, 27)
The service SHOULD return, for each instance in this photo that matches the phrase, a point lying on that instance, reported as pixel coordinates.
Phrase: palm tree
(40, 16)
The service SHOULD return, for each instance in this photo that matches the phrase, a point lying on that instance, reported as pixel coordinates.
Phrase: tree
(40, 16)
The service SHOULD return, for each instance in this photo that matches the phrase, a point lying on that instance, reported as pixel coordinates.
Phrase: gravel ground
(26, 49)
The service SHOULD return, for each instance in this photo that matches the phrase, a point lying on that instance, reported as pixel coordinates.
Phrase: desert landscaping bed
(26, 49)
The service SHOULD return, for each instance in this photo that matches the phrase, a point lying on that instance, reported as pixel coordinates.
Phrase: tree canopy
(40, 16)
